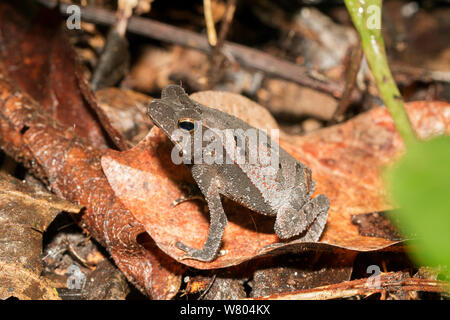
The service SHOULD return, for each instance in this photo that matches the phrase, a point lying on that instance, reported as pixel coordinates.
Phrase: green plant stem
(364, 14)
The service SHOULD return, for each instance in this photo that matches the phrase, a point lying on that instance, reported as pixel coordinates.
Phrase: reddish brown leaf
(72, 169)
(375, 224)
(346, 161)
(37, 55)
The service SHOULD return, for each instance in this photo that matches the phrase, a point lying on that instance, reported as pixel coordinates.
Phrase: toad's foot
(205, 254)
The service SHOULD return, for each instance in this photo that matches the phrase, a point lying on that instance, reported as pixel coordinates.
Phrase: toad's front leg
(207, 183)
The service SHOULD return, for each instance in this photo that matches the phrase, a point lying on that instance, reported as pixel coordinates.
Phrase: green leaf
(420, 186)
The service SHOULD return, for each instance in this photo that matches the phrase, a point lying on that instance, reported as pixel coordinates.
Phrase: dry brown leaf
(238, 106)
(163, 65)
(287, 273)
(126, 110)
(56, 153)
(375, 224)
(25, 213)
(71, 167)
(288, 99)
(348, 162)
(36, 54)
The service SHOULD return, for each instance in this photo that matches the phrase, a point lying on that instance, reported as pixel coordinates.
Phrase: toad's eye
(186, 124)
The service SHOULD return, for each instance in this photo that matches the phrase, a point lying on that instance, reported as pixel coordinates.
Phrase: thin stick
(218, 57)
(124, 12)
(393, 281)
(352, 72)
(211, 30)
(208, 288)
(225, 26)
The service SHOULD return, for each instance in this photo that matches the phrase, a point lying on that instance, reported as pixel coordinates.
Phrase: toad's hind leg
(309, 221)
(318, 225)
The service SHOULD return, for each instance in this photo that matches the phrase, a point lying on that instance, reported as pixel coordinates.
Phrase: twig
(211, 30)
(218, 57)
(393, 281)
(77, 257)
(225, 26)
(115, 58)
(353, 68)
(419, 73)
(209, 287)
(124, 12)
(245, 56)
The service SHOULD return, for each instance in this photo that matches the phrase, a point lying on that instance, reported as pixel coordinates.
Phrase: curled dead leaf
(71, 167)
(126, 110)
(25, 213)
(52, 74)
(48, 124)
(348, 162)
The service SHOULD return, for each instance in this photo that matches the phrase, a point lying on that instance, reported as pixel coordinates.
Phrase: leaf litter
(346, 175)
(25, 213)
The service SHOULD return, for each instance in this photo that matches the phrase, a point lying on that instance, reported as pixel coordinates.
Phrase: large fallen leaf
(346, 160)
(71, 167)
(25, 213)
(67, 157)
(37, 55)
(348, 163)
